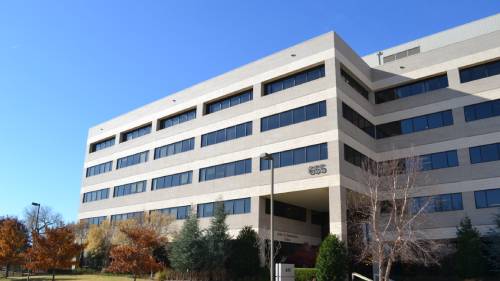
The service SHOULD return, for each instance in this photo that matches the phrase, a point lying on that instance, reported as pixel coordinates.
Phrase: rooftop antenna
(379, 54)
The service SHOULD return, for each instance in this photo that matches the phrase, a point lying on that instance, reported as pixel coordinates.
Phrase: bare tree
(394, 225)
(47, 218)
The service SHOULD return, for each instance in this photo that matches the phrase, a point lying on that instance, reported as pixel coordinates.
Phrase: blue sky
(68, 65)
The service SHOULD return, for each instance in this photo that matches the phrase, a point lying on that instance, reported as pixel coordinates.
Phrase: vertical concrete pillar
(338, 211)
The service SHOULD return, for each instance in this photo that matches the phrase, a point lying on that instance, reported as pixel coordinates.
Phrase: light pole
(36, 228)
(269, 157)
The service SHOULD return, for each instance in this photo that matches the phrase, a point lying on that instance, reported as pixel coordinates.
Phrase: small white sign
(285, 272)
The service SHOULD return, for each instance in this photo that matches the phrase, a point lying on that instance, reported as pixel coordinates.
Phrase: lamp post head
(266, 156)
(35, 204)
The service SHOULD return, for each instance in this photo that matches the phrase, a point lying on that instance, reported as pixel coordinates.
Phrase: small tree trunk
(53, 274)
(7, 271)
(135, 277)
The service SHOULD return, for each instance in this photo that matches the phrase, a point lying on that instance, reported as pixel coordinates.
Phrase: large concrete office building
(320, 109)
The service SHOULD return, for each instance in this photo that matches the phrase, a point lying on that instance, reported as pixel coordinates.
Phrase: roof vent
(403, 54)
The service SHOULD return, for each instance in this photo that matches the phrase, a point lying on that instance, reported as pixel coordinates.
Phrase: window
(226, 170)
(479, 71)
(296, 156)
(178, 213)
(484, 153)
(353, 82)
(294, 80)
(176, 119)
(127, 216)
(487, 198)
(102, 144)
(415, 124)
(206, 210)
(229, 102)
(438, 203)
(416, 88)
(359, 121)
(94, 220)
(355, 157)
(294, 116)
(482, 110)
(99, 169)
(231, 207)
(172, 180)
(174, 148)
(139, 132)
(129, 188)
(319, 218)
(131, 160)
(95, 195)
(286, 210)
(227, 134)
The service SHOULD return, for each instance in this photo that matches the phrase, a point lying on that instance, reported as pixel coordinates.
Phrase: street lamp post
(269, 157)
(36, 228)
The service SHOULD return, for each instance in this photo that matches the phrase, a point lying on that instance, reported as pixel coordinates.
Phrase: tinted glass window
(353, 82)
(297, 156)
(131, 160)
(175, 148)
(293, 116)
(487, 198)
(294, 80)
(480, 71)
(176, 119)
(412, 89)
(229, 102)
(226, 170)
(233, 132)
(172, 180)
(415, 124)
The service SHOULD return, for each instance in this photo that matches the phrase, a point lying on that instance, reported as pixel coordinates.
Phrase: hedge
(305, 274)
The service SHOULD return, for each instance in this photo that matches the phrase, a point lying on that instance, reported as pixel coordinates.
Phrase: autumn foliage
(136, 256)
(56, 249)
(13, 242)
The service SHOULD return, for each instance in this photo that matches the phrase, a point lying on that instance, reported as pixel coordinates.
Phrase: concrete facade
(445, 52)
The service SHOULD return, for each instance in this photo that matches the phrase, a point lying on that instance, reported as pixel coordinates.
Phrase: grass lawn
(83, 277)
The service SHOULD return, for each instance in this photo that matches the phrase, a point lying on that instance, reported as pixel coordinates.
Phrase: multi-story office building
(320, 109)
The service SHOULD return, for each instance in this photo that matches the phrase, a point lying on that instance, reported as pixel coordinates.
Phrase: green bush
(469, 257)
(332, 260)
(305, 274)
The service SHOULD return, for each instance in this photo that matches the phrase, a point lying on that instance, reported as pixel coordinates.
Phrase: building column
(338, 211)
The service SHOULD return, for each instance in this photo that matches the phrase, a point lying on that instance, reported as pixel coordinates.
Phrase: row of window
(296, 156)
(102, 144)
(359, 121)
(415, 124)
(353, 82)
(286, 210)
(293, 116)
(139, 132)
(484, 153)
(172, 180)
(178, 213)
(227, 134)
(131, 160)
(233, 100)
(96, 195)
(294, 80)
(414, 88)
(129, 188)
(482, 110)
(480, 71)
(231, 207)
(226, 170)
(229, 102)
(487, 198)
(177, 119)
(99, 169)
(94, 220)
(438, 203)
(174, 148)
(126, 216)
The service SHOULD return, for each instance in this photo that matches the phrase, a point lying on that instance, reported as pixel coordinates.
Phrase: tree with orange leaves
(55, 249)
(136, 256)
(13, 243)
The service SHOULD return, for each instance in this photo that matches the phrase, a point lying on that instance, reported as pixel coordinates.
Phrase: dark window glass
(139, 132)
(233, 132)
(286, 210)
(438, 203)
(484, 153)
(130, 188)
(294, 80)
(102, 144)
(229, 102)
(487, 198)
(99, 169)
(482, 110)
(415, 124)
(353, 82)
(176, 119)
(174, 148)
(297, 156)
(127, 216)
(480, 71)
(412, 89)
(359, 121)
(293, 116)
(95, 195)
(172, 180)
(226, 170)
(94, 220)
(131, 160)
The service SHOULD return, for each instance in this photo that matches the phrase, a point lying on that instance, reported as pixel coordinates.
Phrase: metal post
(36, 228)
(272, 220)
